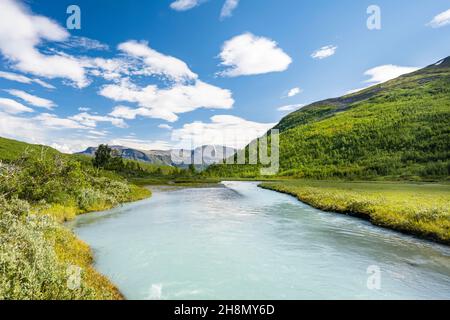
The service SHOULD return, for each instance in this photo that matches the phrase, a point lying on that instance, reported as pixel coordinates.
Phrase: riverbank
(422, 210)
(224, 243)
(40, 259)
(74, 252)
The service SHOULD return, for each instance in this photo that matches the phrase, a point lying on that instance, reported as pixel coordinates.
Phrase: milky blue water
(242, 242)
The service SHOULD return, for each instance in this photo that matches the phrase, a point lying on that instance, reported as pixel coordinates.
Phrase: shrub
(29, 268)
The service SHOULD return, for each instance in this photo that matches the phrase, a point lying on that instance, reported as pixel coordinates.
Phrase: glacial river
(238, 241)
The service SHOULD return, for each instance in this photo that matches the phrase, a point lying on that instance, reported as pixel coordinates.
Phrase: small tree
(102, 156)
(192, 169)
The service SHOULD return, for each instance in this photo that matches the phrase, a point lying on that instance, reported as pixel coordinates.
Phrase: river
(238, 241)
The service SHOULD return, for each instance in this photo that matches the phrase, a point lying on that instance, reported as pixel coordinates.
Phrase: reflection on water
(242, 242)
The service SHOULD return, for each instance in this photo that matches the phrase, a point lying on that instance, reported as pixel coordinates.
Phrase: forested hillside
(398, 129)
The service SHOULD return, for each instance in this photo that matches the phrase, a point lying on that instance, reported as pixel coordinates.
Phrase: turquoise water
(242, 242)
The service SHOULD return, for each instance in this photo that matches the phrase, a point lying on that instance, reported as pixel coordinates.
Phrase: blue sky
(148, 73)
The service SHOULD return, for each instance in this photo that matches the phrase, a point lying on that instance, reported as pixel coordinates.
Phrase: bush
(29, 266)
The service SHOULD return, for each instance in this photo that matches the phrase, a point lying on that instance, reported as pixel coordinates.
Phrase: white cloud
(141, 144)
(124, 112)
(291, 107)
(15, 127)
(98, 133)
(49, 129)
(44, 84)
(183, 5)
(387, 72)
(23, 79)
(441, 20)
(83, 109)
(51, 121)
(110, 69)
(80, 121)
(228, 8)
(20, 34)
(12, 106)
(356, 90)
(15, 77)
(90, 120)
(166, 103)
(324, 52)
(225, 130)
(382, 74)
(158, 63)
(293, 92)
(85, 43)
(31, 99)
(33, 130)
(165, 126)
(248, 54)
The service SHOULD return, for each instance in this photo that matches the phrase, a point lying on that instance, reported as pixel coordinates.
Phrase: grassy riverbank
(174, 181)
(419, 209)
(39, 257)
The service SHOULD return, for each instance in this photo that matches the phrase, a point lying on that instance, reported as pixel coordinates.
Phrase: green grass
(11, 150)
(419, 209)
(173, 180)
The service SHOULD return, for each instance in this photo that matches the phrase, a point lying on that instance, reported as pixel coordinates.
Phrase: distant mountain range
(203, 156)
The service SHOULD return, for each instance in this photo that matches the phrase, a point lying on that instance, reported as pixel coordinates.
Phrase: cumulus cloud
(228, 8)
(32, 99)
(21, 32)
(166, 103)
(23, 79)
(248, 54)
(387, 72)
(111, 69)
(441, 20)
(324, 52)
(293, 92)
(291, 107)
(12, 106)
(157, 63)
(138, 59)
(224, 130)
(183, 5)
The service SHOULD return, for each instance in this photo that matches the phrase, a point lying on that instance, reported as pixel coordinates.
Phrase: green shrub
(29, 267)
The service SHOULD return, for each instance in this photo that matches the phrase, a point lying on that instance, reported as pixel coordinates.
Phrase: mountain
(205, 155)
(400, 128)
(153, 157)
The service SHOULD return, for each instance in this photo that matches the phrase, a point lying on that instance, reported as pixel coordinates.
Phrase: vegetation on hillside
(396, 130)
(38, 190)
(419, 209)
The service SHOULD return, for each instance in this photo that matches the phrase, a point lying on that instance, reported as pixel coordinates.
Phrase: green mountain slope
(400, 128)
(13, 149)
